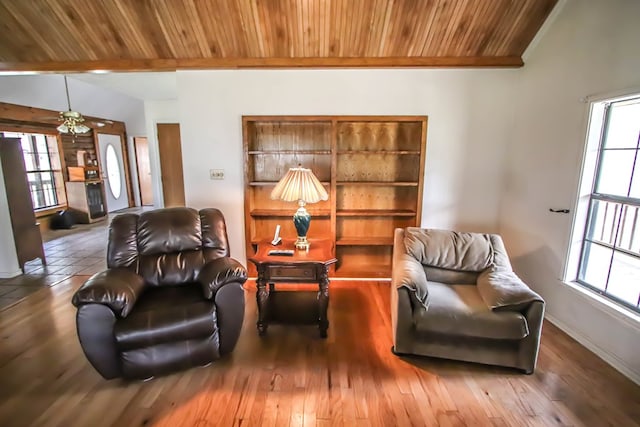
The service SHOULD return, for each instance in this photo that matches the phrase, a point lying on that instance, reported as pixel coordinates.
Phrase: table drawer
(291, 272)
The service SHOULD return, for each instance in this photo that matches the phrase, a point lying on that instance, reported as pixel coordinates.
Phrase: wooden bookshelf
(371, 166)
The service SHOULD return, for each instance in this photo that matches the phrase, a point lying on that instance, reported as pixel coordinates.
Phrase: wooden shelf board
(289, 152)
(364, 271)
(262, 183)
(390, 152)
(365, 241)
(375, 212)
(379, 183)
(268, 183)
(318, 213)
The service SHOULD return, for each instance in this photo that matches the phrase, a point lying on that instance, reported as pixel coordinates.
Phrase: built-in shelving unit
(371, 166)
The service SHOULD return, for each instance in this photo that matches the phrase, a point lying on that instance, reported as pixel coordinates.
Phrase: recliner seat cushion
(164, 315)
(459, 310)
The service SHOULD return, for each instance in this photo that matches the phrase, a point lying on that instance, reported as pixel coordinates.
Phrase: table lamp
(300, 185)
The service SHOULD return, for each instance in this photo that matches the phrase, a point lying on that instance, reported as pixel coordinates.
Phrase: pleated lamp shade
(299, 184)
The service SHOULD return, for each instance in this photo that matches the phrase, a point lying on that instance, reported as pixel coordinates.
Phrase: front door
(112, 167)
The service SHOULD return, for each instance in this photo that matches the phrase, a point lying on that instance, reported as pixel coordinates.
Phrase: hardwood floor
(292, 377)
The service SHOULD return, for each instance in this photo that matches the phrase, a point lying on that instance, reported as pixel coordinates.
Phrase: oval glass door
(113, 172)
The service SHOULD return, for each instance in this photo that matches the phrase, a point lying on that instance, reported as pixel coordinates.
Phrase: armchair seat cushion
(165, 315)
(460, 311)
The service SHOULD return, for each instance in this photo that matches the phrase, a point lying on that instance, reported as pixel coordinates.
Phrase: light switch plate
(216, 173)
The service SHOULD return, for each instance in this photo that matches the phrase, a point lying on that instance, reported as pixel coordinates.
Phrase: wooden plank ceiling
(82, 35)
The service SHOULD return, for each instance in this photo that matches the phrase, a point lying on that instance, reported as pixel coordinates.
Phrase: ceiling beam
(237, 63)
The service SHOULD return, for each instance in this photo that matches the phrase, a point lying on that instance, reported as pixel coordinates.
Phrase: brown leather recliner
(171, 298)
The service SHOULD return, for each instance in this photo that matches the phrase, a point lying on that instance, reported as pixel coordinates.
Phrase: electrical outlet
(216, 173)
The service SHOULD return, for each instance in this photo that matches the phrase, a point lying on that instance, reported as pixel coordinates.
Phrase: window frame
(56, 174)
(599, 116)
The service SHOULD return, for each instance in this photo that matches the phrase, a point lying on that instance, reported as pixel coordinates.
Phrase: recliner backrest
(455, 257)
(167, 246)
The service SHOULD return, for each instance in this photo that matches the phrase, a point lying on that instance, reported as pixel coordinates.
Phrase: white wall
(466, 139)
(592, 48)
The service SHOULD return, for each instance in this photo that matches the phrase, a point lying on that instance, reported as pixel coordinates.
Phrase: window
(609, 261)
(42, 163)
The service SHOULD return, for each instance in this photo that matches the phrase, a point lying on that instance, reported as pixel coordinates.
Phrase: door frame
(125, 159)
(137, 162)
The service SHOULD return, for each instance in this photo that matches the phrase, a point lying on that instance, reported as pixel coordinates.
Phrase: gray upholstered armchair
(455, 296)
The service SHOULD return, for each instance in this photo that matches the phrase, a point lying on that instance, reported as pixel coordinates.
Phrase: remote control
(281, 252)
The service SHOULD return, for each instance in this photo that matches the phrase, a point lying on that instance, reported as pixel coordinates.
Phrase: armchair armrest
(408, 272)
(219, 272)
(502, 289)
(117, 288)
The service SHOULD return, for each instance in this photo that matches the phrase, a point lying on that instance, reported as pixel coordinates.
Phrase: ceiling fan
(72, 122)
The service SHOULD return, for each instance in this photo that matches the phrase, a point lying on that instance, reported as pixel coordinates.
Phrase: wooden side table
(310, 266)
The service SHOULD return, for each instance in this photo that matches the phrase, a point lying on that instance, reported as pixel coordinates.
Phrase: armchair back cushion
(455, 257)
(167, 247)
(449, 250)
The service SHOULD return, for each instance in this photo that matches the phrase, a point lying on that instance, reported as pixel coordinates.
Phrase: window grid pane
(40, 154)
(610, 260)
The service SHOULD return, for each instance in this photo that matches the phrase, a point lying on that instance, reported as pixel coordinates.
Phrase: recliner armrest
(219, 272)
(408, 272)
(502, 289)
(117, 288)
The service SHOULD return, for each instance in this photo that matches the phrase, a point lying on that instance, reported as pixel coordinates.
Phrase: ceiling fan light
(71, 120)
(80, 128)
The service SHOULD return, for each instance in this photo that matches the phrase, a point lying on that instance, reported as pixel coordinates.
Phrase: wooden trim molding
(234, 63)
(20, 115)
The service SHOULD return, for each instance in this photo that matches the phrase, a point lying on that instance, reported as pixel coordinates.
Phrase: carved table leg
(323, 301)
(262, 298)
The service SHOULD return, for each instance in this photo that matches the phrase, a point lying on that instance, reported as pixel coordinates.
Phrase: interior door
(112, 167)
(144, 170)
(171, 164)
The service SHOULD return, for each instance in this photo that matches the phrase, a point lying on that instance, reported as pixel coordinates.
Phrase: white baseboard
(9, 275)
(603, 354)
